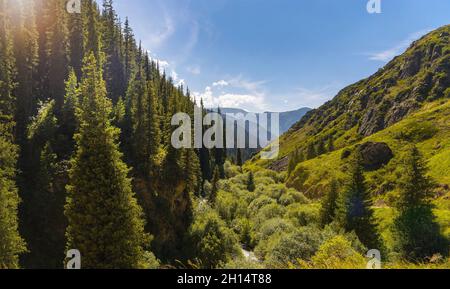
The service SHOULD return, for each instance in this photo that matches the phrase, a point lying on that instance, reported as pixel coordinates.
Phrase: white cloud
(388, 54)
(177, 81)
(220, 83)
(163, 64)
(231, 100)
(240, 93)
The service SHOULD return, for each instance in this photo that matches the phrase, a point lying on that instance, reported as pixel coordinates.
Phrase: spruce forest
(86, 160)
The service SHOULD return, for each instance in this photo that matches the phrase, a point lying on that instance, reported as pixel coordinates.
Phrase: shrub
(337, 253)
(303, 215)
(301, 244)
(244, 229)
(212, 242)
(275, 191)
(274, 226)
(231, 170)
(297, 196)
(258, 203)
(269, 211)
(227, 206)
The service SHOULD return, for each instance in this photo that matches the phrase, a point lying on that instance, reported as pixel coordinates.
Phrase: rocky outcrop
(375, 155)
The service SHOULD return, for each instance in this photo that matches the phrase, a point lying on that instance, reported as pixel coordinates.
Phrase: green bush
(293, 196)
(258, 203)
(269, 211)
(300, 244)
(303, 215)
(274, 226)
(338, 253)
(213, 243)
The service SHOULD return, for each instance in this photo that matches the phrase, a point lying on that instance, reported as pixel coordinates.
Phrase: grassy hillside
(429, 129)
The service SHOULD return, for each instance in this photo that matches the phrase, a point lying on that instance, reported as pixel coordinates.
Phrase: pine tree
(417, 232)
(310, 151)
(105, 221)
(43, 193)
(220, 153)
(239, 157)
(12, 245)
(92, 33)
(329, 204)
(154, 130)
(251, 182)
(26, 55)
(138, 96)
(214, 185)
(204, 156)
(56, 60)
(355, 211)
(76, 40)
(114, 71)
(293, 161)
(129, 51)
(192, 174)
(68, 121)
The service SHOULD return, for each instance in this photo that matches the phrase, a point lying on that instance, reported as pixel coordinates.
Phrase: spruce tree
(416, 231)
(92, 32)
(44, 193)
(139, 99)
(293, 161)
(310, 151)
(129, 52)
(111, 38)
(76, 39)
(239, 157)
(68, 121)
(355, 211)
(329, 204)
(154, 130)
(214, 185)
(220, 152)
(104, 220)
(56, 60)
(26, 55)
(11, 244)
(251, 182)
(204, 155)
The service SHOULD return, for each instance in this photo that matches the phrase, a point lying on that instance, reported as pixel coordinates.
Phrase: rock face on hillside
(375, 155)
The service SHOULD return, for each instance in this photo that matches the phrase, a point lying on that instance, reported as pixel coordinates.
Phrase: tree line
(85, 159)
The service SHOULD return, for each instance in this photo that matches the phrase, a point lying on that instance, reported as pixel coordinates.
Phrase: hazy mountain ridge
(287, 118)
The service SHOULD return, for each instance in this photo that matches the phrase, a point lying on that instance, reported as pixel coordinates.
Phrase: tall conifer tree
(105, 221)
(12, 245)
(355, 211)
(417, 232)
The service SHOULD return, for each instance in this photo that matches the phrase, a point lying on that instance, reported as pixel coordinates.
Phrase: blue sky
(276, 55)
